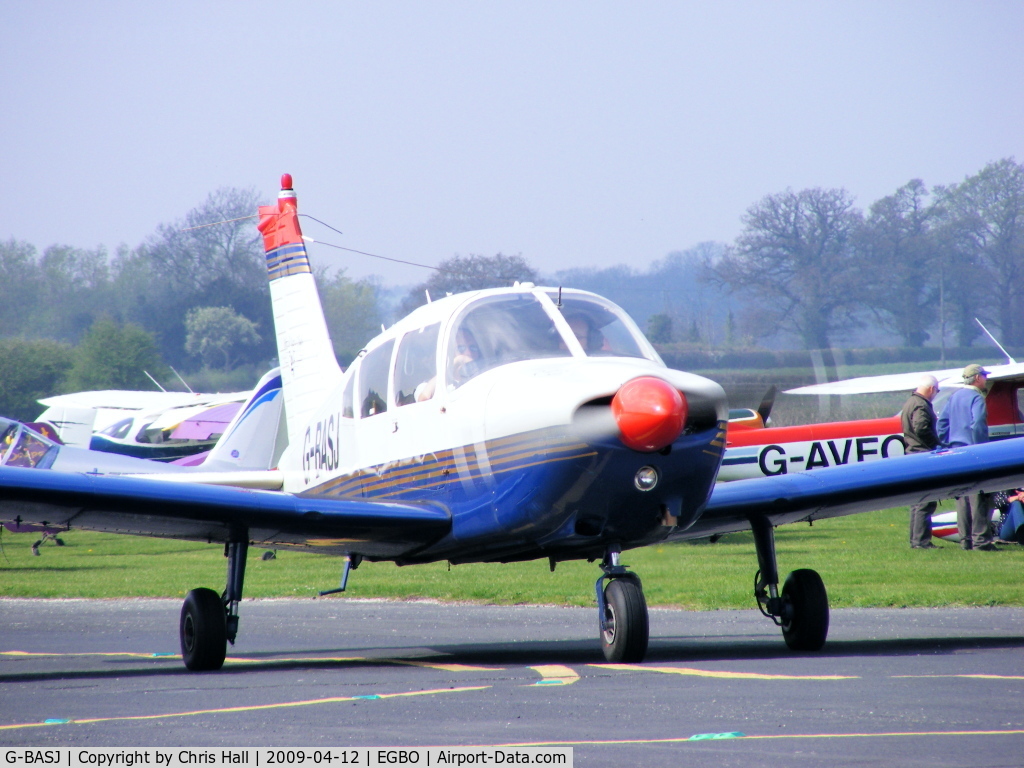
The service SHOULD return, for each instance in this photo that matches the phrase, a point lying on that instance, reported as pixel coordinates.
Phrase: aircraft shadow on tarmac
(526, 654)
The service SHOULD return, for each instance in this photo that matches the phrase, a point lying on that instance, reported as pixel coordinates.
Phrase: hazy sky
(574, 133)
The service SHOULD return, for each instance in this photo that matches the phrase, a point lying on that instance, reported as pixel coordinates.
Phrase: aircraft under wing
(861, 487)
(905, 382)
(152, 507)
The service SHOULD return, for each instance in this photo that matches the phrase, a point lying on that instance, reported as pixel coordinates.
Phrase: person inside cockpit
(466, 363)
(587, 335)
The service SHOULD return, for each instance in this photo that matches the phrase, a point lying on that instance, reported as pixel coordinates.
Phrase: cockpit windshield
(500, 330)
(600, 327)
(21, 447)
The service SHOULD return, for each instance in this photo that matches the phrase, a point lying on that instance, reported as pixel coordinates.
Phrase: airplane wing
(153, 507)
(861, 487)
(905, 382)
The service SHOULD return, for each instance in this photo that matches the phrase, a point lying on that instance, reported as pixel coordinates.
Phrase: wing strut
(235, 551)
(766, 586)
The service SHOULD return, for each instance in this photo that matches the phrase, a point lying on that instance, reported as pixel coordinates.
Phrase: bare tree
(795, 258)
(470, 273)
(900, 262)
(985, 233)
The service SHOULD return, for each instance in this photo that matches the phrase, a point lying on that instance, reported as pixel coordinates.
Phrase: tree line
(809, 269)
(921, 264)
(193, 296)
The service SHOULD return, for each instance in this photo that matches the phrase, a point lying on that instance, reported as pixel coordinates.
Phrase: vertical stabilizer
(254, 439)
(309, 370)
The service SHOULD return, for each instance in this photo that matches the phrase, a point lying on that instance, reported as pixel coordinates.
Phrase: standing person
(964, 421)
(918, 419)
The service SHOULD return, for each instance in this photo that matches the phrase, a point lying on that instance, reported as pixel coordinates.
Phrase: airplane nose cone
(650, 413)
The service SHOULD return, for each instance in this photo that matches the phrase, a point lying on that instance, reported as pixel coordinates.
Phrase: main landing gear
(210, 621)
(802, 609)
(622, 612)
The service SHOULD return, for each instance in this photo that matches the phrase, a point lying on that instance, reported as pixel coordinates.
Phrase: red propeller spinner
(650, 413)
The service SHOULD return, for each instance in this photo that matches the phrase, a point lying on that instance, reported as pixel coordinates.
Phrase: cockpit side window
(599, 328)
(347, 409)
(21, 447)
(373, 380)
(500, 330)
(119, 430)
(416, 366)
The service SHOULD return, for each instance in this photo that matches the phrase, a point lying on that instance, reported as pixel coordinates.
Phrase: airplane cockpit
(441, 345)
(22, 447)
(508, 328)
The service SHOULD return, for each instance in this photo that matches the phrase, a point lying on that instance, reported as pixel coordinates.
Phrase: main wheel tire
(625, 639)
(805, 611)
(203, 630)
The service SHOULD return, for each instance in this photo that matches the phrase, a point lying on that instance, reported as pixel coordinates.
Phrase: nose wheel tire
(805, 611)
(624, 640)
(203, 630)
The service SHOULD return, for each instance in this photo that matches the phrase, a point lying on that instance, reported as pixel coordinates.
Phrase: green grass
(864, 559)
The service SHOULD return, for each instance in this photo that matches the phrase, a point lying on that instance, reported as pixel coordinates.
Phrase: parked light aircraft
(163, 426)
(492, 426)
(783, 450)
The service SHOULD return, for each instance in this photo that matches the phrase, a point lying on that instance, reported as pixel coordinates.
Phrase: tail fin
(256, 436)
(73, 425)
(309, 370)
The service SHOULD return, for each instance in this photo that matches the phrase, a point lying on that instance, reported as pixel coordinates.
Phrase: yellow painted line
(704, 738)
(95, 653)
(555, 674)
(442, 667)
(690, 671)
(249, 708)
(242, 660)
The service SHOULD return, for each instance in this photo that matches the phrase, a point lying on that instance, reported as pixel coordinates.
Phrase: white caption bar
(251, 757)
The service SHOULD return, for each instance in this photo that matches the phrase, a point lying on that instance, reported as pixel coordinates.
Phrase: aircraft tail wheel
(203, 630)
(804, 611)
(625, 638)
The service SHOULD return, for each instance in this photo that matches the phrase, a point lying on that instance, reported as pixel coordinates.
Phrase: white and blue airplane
(492, 426)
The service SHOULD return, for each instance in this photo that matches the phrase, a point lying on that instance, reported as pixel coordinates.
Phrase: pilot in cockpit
(587, 335)
(464, 366)
(466, 363)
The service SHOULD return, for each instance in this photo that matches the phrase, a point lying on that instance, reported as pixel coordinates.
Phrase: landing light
(646, 478)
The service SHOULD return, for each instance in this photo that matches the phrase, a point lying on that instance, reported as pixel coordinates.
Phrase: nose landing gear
(622, 612)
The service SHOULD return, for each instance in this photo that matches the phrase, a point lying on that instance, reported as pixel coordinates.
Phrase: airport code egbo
(252, 757)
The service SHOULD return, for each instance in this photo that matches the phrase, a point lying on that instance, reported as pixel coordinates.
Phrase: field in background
(864, 559)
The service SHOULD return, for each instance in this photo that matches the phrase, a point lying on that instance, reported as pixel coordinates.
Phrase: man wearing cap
(964, 421)
(918, 420)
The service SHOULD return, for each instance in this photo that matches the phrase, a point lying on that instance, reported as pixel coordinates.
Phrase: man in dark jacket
(964, 421)
(918, 419)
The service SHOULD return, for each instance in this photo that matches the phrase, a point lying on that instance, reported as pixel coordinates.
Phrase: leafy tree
(899, 261)
(30, 370)
(659, 329)
(984, 237)
(352, 311)
(217, 334)
(694, 337)
(113, 356)
(796, 257)
(76, 289)
(20, 283)
(470, 273)
(186, 264)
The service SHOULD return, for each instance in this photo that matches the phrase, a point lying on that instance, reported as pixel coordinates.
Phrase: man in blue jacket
(964, 421)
